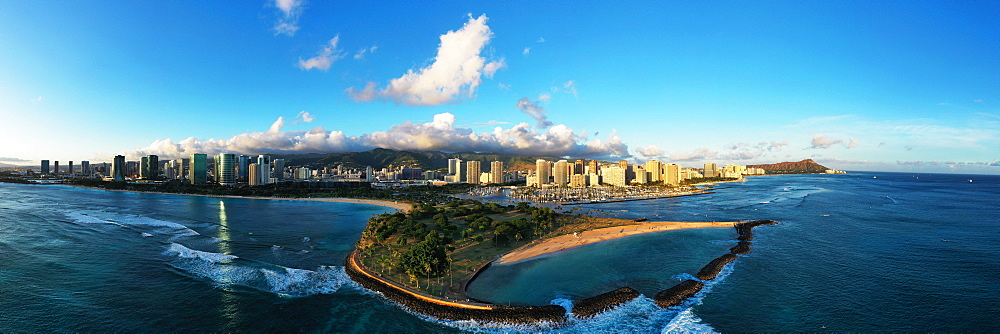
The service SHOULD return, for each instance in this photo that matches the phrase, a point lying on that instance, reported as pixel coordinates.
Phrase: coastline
(567, 241)
(402, 206)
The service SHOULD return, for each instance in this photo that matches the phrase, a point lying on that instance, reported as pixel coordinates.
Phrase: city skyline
(855, 86)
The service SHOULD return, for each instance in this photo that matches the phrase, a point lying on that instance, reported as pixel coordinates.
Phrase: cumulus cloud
(651, 151)
(288, 23)
(361, 53)
(325, 58)
(544, 97)
(456, 71)
(441, 134)
(304, 117)
(569, 87)
(536, 111)
(822, 141)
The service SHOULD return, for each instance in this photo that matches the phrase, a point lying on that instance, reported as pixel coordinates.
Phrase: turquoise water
(855, 252)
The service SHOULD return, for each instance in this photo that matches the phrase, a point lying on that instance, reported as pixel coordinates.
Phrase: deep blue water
(855, 252)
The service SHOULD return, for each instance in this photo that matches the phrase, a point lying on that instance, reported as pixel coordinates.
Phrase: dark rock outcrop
(498, 313)
(741, 248)
(677, 294)
(712, 269)
(745, 230)
(589, 307)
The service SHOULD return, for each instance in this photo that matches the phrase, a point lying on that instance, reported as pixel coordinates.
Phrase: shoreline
(568, 241)
(402, 206)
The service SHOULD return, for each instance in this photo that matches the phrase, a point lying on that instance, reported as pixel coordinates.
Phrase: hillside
(380, 158)
(801, 167)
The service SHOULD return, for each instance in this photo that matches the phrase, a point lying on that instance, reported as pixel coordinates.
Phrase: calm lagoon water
(855, 252)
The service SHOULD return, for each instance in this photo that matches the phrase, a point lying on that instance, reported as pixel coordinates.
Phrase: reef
(589, 307)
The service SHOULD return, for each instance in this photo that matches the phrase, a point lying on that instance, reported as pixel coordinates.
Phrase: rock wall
(676, 295)
(589, 307)
(712, 269)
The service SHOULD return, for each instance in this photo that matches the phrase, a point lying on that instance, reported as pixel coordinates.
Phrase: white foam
(686, 322)
(230, 270)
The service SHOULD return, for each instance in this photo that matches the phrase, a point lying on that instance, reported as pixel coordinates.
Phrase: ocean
(855, 252)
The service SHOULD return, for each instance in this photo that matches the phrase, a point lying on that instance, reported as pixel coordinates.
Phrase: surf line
(449, 309)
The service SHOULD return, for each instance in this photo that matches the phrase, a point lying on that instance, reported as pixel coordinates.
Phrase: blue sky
(894, 86)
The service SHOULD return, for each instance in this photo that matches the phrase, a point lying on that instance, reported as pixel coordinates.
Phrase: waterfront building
(655, 170)
(672, 174)
(183, 168)
(496, 172)
(253, 174)
(641, 176)
(578, 181)
(485, 177)
(242, 166)
(198, 171)
(149, 167)
(85, 168)
(45, 167)
(560, 173)
(542, 170)
(592, 165)
(279, 168)
(264, 163)
(593, 179)
(531, 181)
(302, 173)
(711, 170)
(118, 168)
(55, 170)
(225, 169)
(70, 166)
(473, 172)
(579, 166)
(613, 175)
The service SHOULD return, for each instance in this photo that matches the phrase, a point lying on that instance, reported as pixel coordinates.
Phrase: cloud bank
(456, 71)
(441, 134)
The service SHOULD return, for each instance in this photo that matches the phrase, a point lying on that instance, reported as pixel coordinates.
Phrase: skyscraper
(560, 173)
(85, 168)
(542, 170)
(623, 164)
(253, 173)
(279, 168)
(118, 168)
(672, 174)
(198, 169)
(242, 172)
(711, 169)
(496, 172)
(149, 167)
(144, 168)
(45, 166)
(70, 172)
(473, 171)
(453, 166)
(264, 163)
(225, 169)
(56, 169)
(655, 170)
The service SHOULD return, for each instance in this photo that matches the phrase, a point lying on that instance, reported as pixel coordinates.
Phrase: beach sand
(403, 206)
(568, 241)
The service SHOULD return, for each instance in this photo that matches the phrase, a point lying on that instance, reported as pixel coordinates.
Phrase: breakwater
(451, 310)
(677, 294)
(590, 306)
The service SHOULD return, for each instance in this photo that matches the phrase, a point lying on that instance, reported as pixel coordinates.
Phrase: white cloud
(325, 58)
(361, 53)
(821, 141)
(37, 99)
(304, 117)
(288, 23)
(545, 97)
(540, 40)
(441, 134)
(527, 51)
(536, 111)
(503, 86)
(456, 71)
(13, 159)
(651, 151)
(852, 143)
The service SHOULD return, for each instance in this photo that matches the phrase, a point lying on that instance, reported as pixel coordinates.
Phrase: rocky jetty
(741, 248)
(589, 307)
(677, 294)
(745, 230)
(712, 269)
(490, 313)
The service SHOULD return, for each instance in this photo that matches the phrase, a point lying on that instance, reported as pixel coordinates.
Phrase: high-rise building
(70, 166)
(302, 173)
(56, 169)
(711, 170)
(473, 170)
(45, 167)
(672, 174)
(578, 166)
(496, 172)
(623, 164)
(560, 173)
(655, 170)
(198, 169)
(225, 169)
(542, 170)
(149, 167)
(85, 168)
(264, 163)
(253, 174)
(592, 164)
(118, 168)
(369, 174)
(242, 174)
(279, 168)
(614, 175)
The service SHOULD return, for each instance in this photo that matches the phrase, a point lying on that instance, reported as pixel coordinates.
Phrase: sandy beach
(403, 206)
(568, 241)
